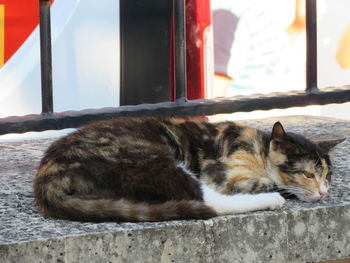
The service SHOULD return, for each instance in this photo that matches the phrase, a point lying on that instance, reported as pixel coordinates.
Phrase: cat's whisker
(318, 159)
(283, 191)
(293, 190)
(287, 195)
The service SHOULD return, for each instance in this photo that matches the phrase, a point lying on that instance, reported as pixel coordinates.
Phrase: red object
(198, 19)
(21, 18)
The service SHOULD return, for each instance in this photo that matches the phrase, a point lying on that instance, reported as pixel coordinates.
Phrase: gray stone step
(299, 232)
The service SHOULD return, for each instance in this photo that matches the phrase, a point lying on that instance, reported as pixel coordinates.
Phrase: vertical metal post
(179, 14)
(45, 57)
(311, 45)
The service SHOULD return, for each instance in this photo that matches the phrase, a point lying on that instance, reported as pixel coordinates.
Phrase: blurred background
(259, 47)
(253, 46)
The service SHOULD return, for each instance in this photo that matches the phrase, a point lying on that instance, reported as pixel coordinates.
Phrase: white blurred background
(268, 52)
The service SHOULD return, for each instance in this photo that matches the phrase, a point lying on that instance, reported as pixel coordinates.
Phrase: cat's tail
(125, 210)
(54, 200)
(97, 210)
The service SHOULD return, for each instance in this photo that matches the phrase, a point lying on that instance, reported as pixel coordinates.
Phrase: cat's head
(300, 166)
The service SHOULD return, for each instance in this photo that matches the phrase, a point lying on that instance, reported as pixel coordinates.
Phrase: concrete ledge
(300, 232)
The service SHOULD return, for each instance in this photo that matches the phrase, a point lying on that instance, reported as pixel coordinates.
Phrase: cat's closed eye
(309, 175)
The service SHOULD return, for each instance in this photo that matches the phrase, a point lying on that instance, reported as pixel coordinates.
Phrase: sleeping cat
(150, 169)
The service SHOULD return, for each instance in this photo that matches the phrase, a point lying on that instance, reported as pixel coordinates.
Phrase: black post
(311, 45)
(179, 14)
(45, 57)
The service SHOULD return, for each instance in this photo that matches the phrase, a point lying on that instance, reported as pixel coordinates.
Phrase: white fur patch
(241, 203)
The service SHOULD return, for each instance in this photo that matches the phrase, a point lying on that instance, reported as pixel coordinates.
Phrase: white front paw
(274, 201)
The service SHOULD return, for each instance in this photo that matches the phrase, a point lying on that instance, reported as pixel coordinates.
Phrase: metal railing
(181, 106)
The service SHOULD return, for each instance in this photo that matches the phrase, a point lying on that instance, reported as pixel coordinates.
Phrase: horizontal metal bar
(72, 119)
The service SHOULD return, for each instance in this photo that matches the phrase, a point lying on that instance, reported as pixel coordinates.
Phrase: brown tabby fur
(149, 169)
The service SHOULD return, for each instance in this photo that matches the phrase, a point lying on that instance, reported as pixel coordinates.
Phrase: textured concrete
(300, 232)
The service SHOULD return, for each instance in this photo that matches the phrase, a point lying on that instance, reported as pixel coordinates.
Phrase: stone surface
(249, 238)
(299, 232)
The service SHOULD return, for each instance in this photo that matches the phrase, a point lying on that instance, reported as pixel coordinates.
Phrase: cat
(157, 169)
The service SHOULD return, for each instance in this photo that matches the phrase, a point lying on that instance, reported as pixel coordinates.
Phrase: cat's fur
(149, 169)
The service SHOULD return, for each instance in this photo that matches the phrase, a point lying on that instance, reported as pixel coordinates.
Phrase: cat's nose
(322, 190)
(322, 193)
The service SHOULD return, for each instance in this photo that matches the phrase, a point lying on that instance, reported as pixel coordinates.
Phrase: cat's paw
(274, 201)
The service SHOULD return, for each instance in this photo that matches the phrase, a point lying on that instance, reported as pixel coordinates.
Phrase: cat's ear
(278, 134)
(329, 144)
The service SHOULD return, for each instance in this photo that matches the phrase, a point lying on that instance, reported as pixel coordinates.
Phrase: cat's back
(110, 132)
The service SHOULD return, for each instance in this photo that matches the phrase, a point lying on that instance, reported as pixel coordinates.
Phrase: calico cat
(154, 169)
